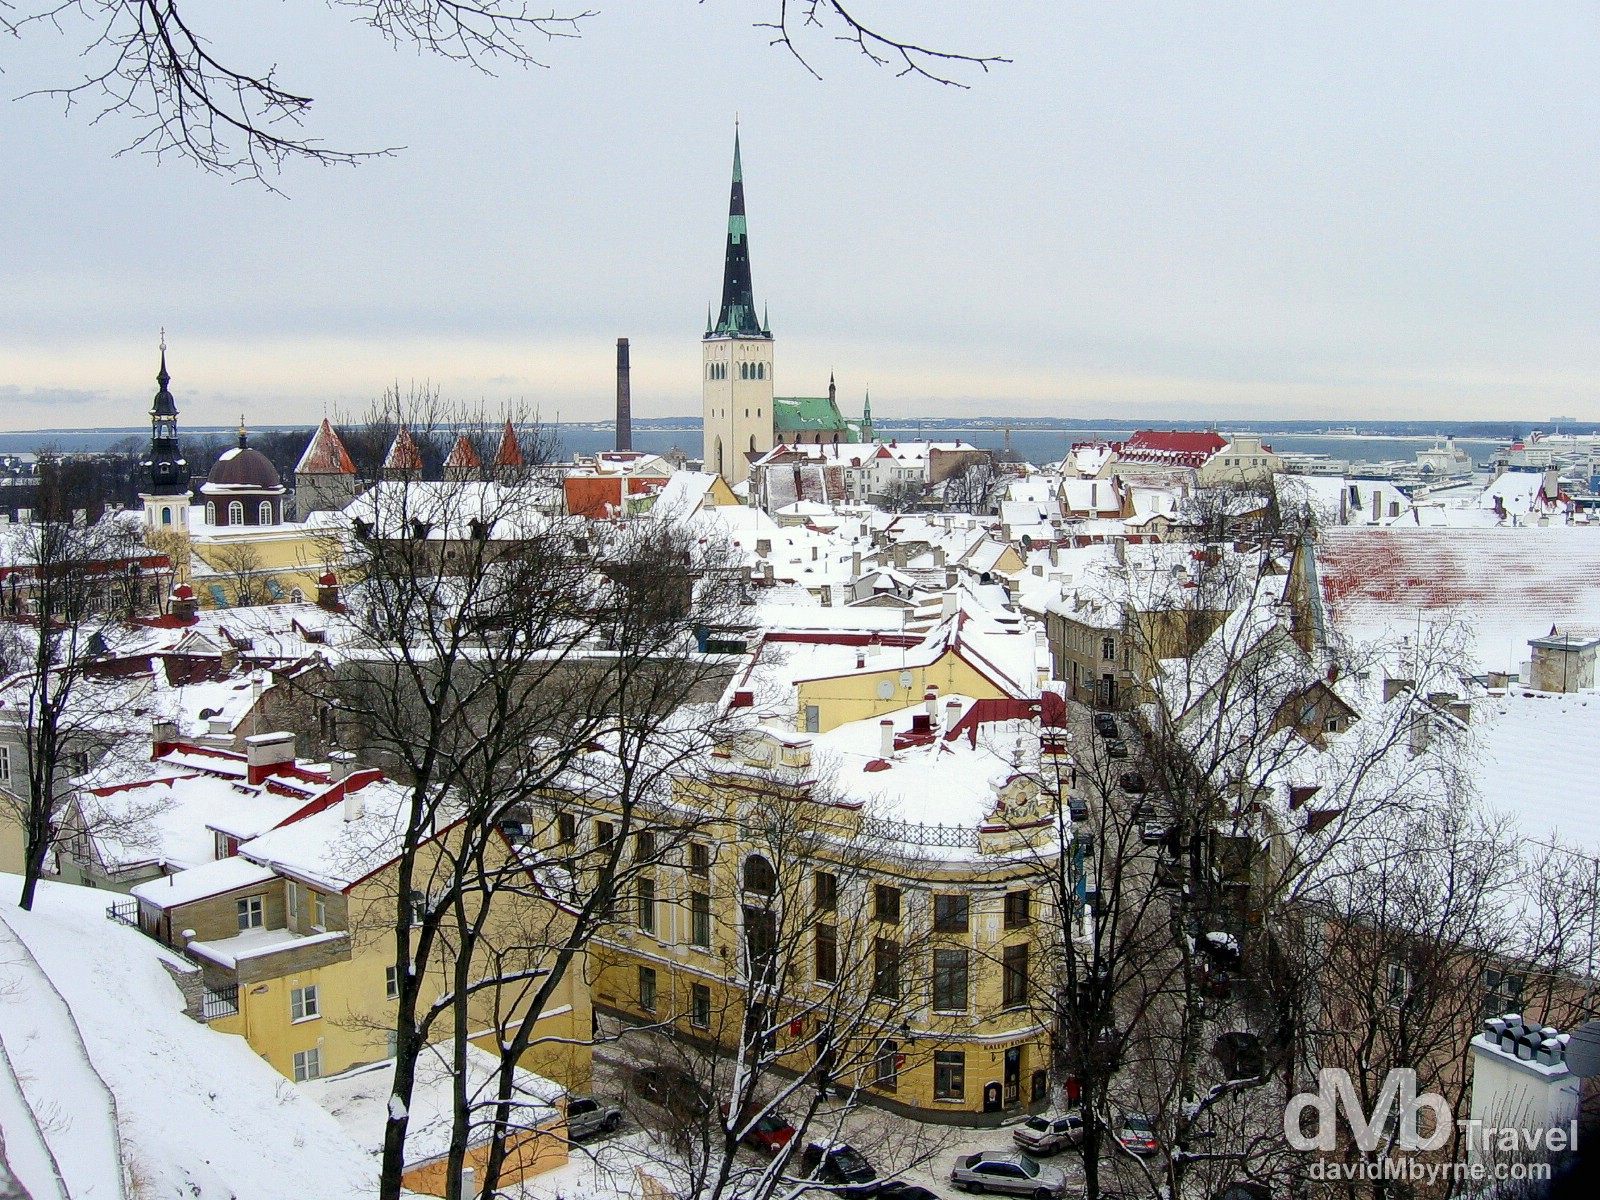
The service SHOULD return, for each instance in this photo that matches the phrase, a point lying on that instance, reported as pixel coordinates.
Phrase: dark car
(899, 1189)
(839, 1165)
(1077, 808)
(1136, 1134)
(1106, 725)
(1134, 784)
(1116, 748)
(673, 1089)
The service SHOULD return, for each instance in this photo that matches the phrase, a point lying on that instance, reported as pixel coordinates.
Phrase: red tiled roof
(325, 454)
(1176, 441)
(462, 455)
(403, 454)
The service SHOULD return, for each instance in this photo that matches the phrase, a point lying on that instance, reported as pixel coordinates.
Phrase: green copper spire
(738, 314)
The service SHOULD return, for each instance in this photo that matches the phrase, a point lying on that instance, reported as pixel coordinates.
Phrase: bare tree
(54, 728)
(969, 489)
(156, 67)
(501, 650)
(244, 579)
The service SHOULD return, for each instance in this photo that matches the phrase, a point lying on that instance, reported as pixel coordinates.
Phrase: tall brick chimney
(624, 398)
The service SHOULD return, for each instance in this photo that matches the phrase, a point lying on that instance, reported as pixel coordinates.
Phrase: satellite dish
(885, 690)
(906, 679)
(1583, 1049)
(1027, 542)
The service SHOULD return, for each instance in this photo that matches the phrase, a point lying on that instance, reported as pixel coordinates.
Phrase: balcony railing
(126, 911)
(220, 1002)
(914, 833)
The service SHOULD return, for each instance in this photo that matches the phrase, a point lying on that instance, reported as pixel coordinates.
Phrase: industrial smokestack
(624, 399)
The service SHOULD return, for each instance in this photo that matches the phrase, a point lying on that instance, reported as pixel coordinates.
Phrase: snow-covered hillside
(197, 1113)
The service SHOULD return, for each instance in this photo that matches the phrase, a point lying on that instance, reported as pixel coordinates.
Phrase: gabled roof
(1176, 441)
(325, 454)
(794, 414)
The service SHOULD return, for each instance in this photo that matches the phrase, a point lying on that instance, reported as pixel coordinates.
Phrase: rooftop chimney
(930, 700)
(952, 714)
(328, 592)
(354, 805)
(162, 734)
(183, 604)
(340, 764)
(264, 751)
(624, 398)
(885, 738)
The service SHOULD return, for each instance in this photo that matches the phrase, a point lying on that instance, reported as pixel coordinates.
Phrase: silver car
(1048, 1133)
(1008, 1171)
(587, 1117)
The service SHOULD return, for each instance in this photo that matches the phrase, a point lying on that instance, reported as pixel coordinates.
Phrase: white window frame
(308, 1064)
(391, 982)
(264, 513)
(319, 911)
(235, 512)
(252, 913)
(5, 764)
(305, 1003)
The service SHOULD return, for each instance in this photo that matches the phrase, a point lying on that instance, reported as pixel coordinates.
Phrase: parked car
(1116, 748)
(586, 1117)
(839, 1165)
(1048, 1133)
(1146, 810)
(1153, 832)
(1008, 1171)
(899, 1189)
(1106, 725)
(1134, 784)
(673, 1089)
(1135, 1134)
(1077, 808)
(768, 1133)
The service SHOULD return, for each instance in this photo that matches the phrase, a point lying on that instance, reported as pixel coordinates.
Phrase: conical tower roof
(462, 456)
(509, 452)
(325, 454)
(403, 453)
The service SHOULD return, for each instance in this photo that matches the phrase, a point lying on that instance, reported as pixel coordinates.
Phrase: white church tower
(738, 358)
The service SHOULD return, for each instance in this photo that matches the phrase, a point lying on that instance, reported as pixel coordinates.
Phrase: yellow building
(889, 921)
(293, 935)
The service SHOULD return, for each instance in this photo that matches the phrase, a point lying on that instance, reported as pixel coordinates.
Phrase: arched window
(211, 513)
(296, 596)
(235, 513)
(759, 875)
(761, 370)
(752, 441)
(264, 513)
(719, 456)
(166, 515)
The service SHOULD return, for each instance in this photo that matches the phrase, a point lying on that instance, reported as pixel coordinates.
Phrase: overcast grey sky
(1337, 210)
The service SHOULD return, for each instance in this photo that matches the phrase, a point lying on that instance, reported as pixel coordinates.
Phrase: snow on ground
(201, 1115)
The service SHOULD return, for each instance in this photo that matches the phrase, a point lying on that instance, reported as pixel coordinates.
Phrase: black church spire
(738, 316)
(168, 473)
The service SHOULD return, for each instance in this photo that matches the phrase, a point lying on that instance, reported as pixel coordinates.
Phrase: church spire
(167, 472)
(738, 315)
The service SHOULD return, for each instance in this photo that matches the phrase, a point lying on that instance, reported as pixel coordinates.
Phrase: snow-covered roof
(327, 849)
(1506, 584)
(200, 882)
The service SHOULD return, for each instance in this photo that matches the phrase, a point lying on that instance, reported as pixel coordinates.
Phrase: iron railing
(914, 833)
(220, 1002)
(126, 911)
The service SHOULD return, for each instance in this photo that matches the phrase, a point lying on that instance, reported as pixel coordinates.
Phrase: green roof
(803, 414)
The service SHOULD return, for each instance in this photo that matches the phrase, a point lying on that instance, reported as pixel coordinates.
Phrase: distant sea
(1035, 442)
